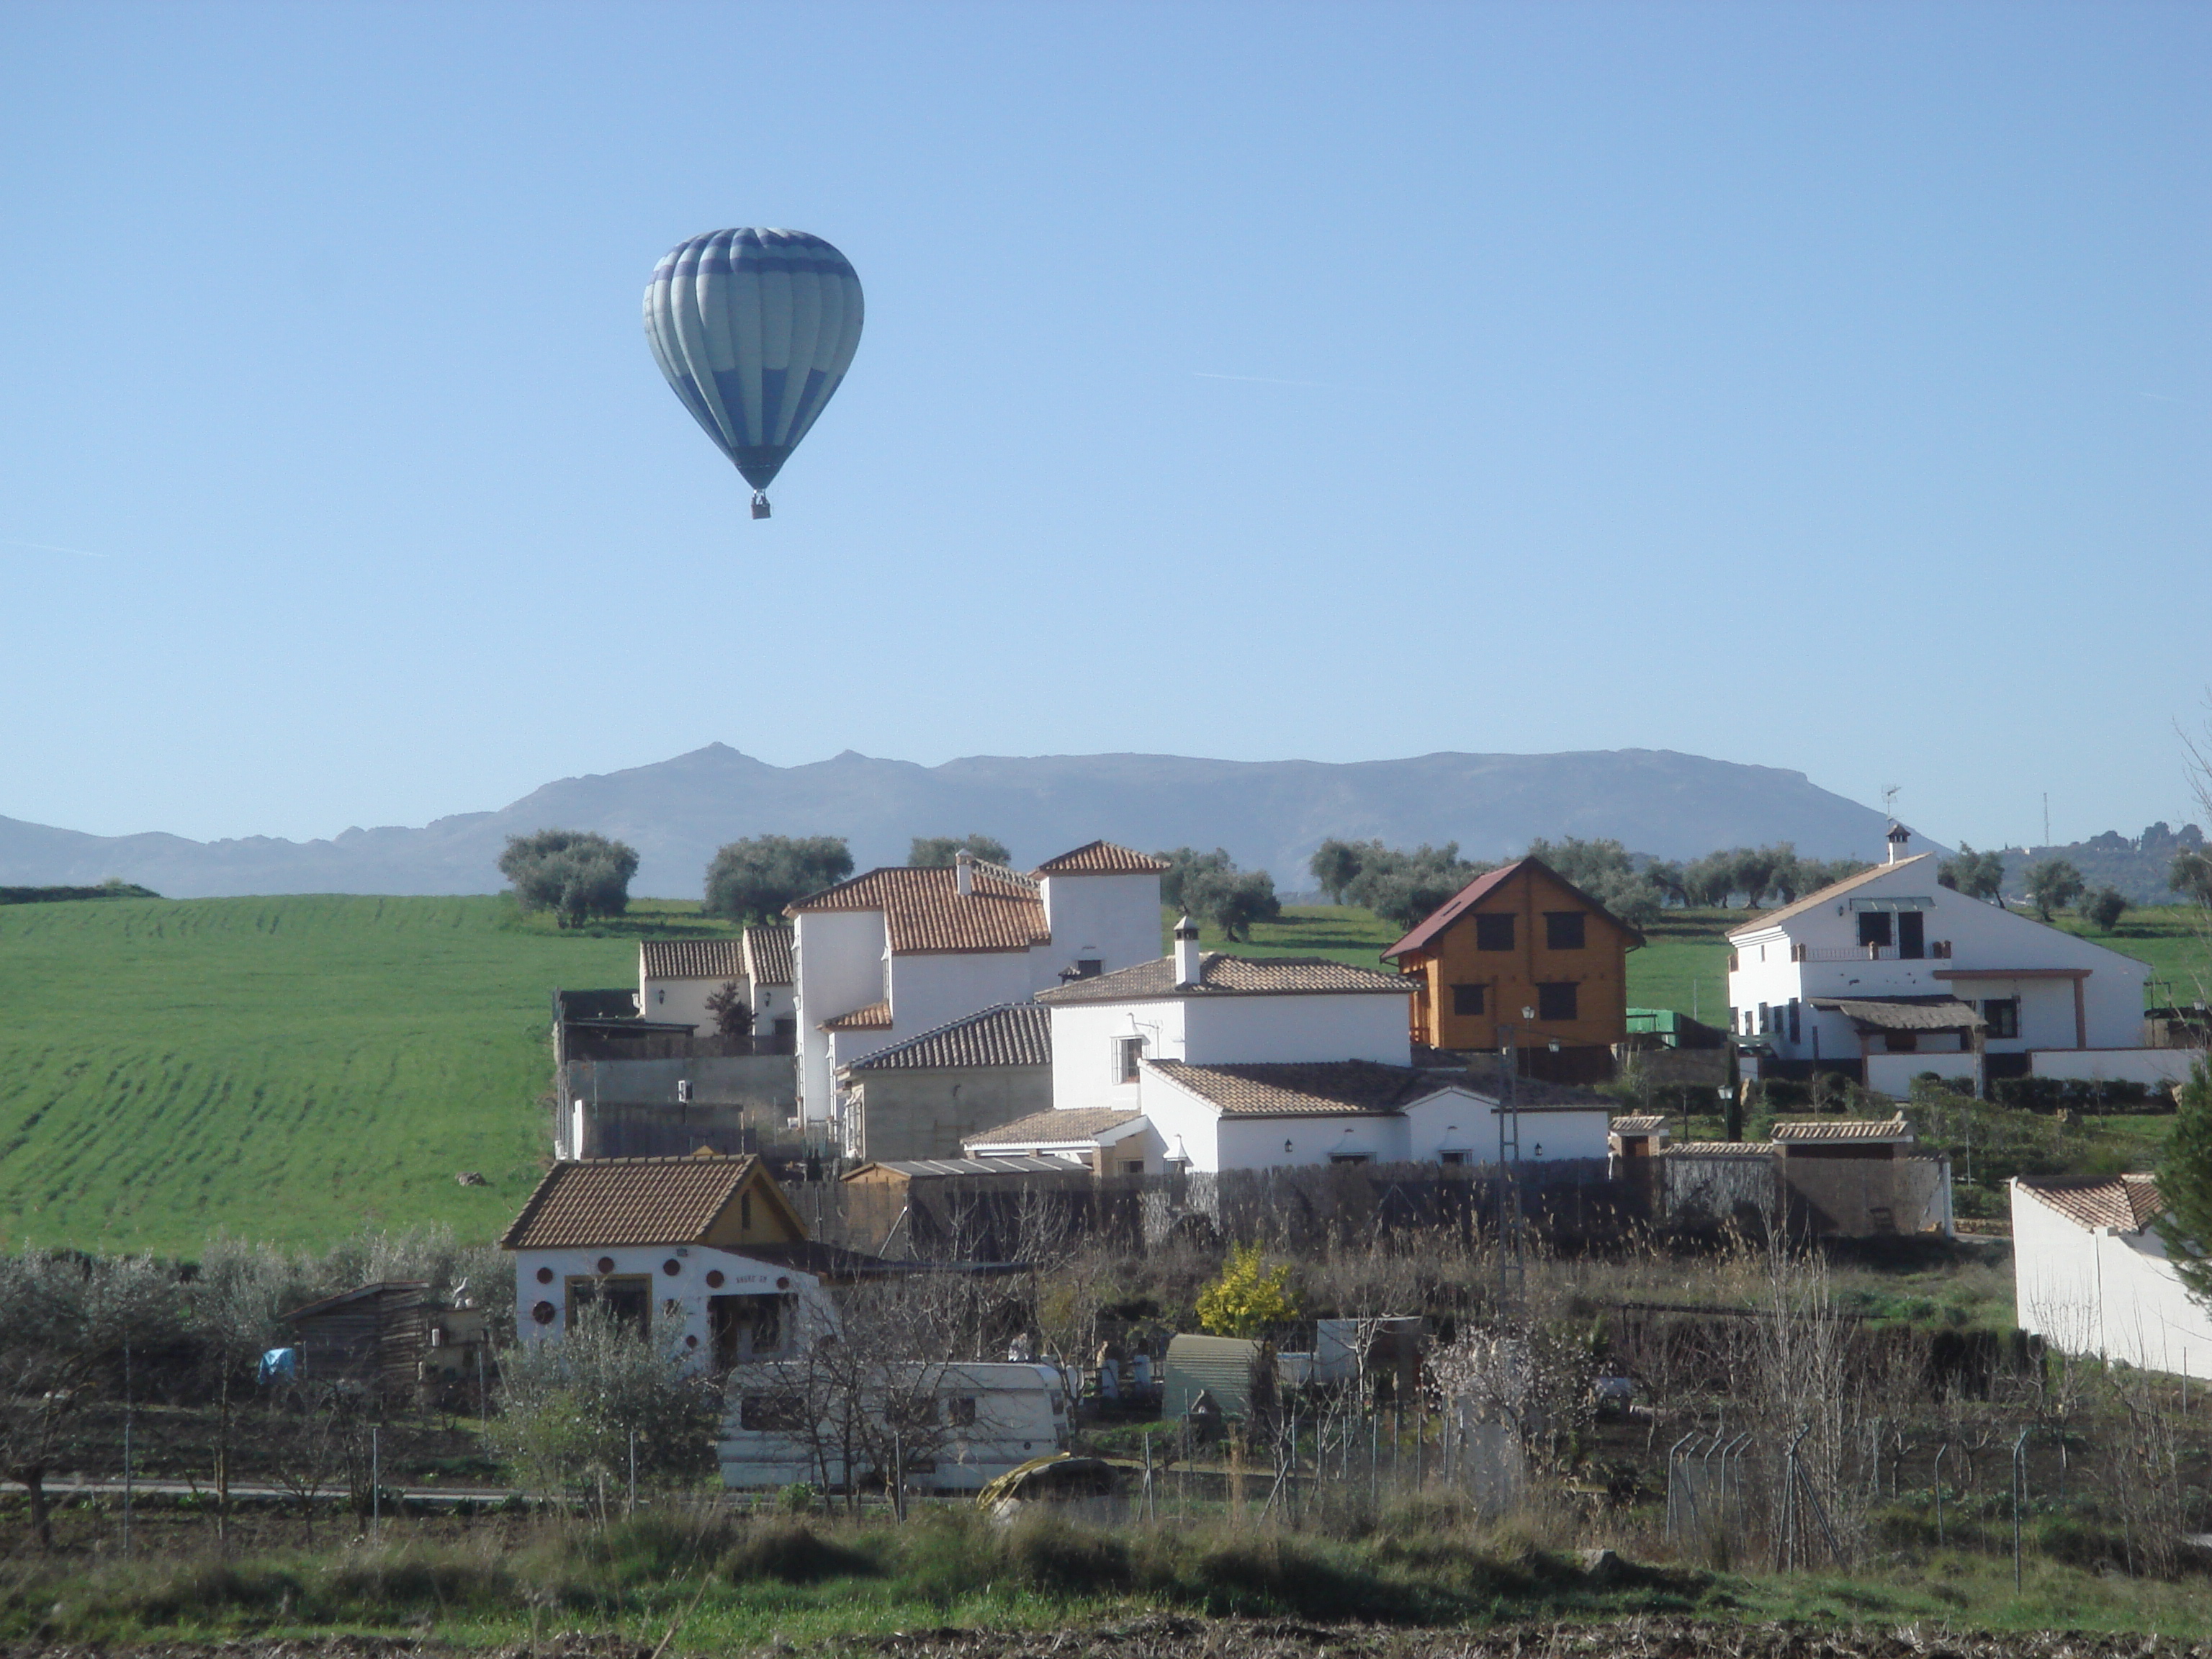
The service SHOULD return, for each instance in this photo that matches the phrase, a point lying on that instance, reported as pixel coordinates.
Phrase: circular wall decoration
(690, 1342)
(672, 1267)
(606, 1264)
(783, 1284)
(714, 1278)
(545, 1276)
(544, 1313)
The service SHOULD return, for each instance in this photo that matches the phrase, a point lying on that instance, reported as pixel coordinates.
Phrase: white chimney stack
(1899, 839)
(1189, 962)
(963, 873)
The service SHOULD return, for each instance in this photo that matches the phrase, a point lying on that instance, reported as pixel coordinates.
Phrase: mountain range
(1269, 814)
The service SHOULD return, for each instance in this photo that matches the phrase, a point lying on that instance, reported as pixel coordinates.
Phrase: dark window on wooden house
(1493, 933)
(1555, 1001)
(1467, 999)
(1563, 930)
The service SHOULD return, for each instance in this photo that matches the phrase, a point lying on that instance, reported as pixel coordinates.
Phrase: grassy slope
(282, 1068)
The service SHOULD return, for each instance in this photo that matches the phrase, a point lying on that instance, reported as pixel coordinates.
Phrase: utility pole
(2046, 817)
(1510, 1277)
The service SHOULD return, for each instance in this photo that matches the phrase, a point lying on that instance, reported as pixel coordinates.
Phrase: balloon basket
(760, 504)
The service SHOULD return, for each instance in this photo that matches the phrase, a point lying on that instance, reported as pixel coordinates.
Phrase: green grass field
(288, 1069)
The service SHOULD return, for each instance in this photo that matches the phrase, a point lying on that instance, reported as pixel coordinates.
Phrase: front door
(1912, 934)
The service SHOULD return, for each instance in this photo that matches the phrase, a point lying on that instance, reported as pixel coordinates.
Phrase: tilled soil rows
(1168, 1637)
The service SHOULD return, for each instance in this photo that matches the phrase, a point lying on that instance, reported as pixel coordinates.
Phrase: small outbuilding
(1237, 1372)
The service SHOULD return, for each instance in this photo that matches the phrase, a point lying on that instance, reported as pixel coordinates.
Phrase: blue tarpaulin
(281, 1365)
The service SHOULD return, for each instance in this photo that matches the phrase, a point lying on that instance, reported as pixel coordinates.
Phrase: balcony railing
(1938, 950)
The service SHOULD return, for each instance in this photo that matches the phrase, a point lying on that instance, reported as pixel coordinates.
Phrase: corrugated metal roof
(1227, 975)
(1012, 1034)
(691, 958)
(1228, 1367)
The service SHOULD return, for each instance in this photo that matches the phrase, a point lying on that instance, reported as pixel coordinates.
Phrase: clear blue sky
(1819, 386)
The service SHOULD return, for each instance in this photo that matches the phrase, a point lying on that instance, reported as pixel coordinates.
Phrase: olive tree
(574, 873)
(2053, 886)
(941, 852)
(755, 878)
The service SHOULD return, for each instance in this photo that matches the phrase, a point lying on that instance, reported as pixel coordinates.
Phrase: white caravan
(962, 1425)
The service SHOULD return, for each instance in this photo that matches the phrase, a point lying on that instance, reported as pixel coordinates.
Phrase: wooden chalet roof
(1437, 921)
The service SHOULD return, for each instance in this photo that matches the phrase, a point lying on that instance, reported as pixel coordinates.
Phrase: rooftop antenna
(1889, 800)
(2046, 817)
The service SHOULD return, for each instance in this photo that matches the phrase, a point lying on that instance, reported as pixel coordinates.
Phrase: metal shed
(1237, 1371)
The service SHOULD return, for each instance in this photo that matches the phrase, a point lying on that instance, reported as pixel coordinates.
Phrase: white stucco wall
(1892, 1074)
(1118, 916)
(673, 1001)
(1456, 1121)
(1981, 937)
(1084, 1035)
(1223, 1031)
(687, 1288)
(2104, 1292)
(838, 957)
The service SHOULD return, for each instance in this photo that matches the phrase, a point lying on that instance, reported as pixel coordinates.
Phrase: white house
(676, 977)
(1204, 1061)
(897, 951)
(2091, 1277)
(1890, 969)
(697, 1251)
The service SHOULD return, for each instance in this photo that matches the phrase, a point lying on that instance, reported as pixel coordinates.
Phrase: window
(1127, 1051)
(1133, 1166)
(629, 1298)
(1901, 1042)
(1793, 1019)
(772, 1414)
(1873, 928)
(1493, 933)
(1348, 1158)
(2002, 1014)
(1563, 930)
(1089, 967)
(1467, 999)
(961, 1413)
(1452, 1158)
(1555, 1001)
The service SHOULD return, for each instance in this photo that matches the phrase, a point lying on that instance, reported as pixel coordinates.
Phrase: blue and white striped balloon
(754, 330)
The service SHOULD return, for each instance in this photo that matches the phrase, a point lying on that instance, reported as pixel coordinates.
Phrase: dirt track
(1168, 1637)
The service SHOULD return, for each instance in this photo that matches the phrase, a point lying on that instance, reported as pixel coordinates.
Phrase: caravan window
(961, 1413)
(772, 1414)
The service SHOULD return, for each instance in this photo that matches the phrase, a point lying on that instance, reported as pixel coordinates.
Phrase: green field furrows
(280, 1068)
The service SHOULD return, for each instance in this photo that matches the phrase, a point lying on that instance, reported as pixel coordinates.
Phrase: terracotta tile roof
(1845, 1129)
(2129, 1202)
(1102, 858)
(768, 950)
(627, 1201)
(1012, 1034)
(691, 958)
(876, 1017)
(1825, 894)
(1227, 975)
(1720, 1149)
(1305, 1089)
(1052, 1129)
(924, 912)
(1905, 1013)
(1639, 1125)
(1480, 889)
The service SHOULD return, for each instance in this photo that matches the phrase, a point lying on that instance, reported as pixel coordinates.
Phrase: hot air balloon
(754, 330)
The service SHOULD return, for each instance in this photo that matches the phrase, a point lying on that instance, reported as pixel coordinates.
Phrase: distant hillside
(2138, 866)
(1269, 814)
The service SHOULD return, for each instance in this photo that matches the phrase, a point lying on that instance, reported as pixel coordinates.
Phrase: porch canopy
(1873, 1015)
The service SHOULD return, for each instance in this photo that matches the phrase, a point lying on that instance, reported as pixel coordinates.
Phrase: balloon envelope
(754, 330)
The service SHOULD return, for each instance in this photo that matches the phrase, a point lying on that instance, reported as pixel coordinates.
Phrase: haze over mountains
(1269, 814)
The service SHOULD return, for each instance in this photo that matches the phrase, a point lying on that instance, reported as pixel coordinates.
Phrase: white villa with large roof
(895, 953)
(1204, 1061)
(1893, 973)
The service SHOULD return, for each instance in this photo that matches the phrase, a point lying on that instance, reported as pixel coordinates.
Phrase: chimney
(963, 873)
(1189, 962)
(1900, 838)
